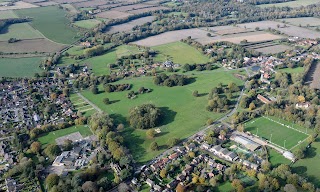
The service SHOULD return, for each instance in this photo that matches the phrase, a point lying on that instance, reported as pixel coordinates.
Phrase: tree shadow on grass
(114, 101)
(168, 116)
(119, 119)
(300, 169)
(161, 134)
(191, 80)
(311, 152)
(250, 129)
(202, 94)
(133, 143)
(163, 147)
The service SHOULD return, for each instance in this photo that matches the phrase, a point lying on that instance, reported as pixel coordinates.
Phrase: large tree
(145, 116)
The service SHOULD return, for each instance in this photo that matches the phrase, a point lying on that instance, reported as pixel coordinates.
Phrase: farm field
(93, 3)
(296, 3)
(46, 3)
(99, 64)
(52, 23)
(273, 49)
(303, 21)
(131, 7)
(19, 31)
(87, 24)
(7, 14)
(177, 103)
(275, 132)
(289, 30)
(70, 8)
(129, 25)
(18, 5)
(254, 36)
(49, 138)
(180, 53)
(144, 10)
(173, 36)
(30, 46)
(313, 79)
(200, 35)
(226, 30)
(22, 67)
(306, 166)
(113, 15)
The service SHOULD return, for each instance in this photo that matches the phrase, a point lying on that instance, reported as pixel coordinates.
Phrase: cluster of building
(210, 169)
(78, 157)
(146, 68)
(7, 156)
(20, 103)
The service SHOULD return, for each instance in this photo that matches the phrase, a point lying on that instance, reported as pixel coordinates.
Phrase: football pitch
(279, 132)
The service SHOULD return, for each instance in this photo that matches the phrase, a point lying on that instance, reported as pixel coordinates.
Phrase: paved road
(89, 102)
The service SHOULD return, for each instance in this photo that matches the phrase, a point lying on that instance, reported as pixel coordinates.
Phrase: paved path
(89, 102)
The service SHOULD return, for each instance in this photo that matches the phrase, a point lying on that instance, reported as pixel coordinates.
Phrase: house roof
(249, 144)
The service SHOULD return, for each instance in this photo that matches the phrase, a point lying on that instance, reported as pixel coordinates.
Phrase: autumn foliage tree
(145, 116)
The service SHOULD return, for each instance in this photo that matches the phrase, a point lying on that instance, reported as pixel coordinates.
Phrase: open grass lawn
(278, 134)
(19, 31)
(76, 50)
(87, 24)
(7, 14)
(292, 70)
(100, 64)
(180, 53)
(225, 187)
(296, 3)
(276, 158)
(309, 166)
(126, 50)
(49, 138)
(184, 114)
(20, 67)
(51, 22)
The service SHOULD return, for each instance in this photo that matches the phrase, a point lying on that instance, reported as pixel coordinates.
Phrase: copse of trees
(116, 88)
(145, 116)
(171, 80)
(94, 51)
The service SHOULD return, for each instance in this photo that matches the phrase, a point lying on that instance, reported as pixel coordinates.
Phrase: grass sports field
(296, 3)
(307, 166)
(20, 67)
(180, 53)
(19, 31)
(50, 137)
(87, 24)
(177, 103)
(277, 133)
(51, 22)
